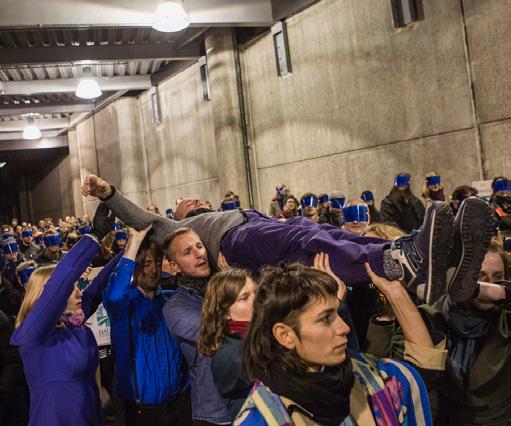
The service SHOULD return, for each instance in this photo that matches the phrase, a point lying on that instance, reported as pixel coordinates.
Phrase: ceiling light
(170, 17)
(87, 87)
(2, 164)
(31, 131)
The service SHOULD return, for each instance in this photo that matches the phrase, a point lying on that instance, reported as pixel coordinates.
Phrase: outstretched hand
(388, 288)
(103, 221)
(96, 187)
(222, 262)
(322, 263)
(138, 236)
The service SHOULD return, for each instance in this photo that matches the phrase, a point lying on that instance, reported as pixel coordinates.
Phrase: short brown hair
(284, 293)
(171, 237)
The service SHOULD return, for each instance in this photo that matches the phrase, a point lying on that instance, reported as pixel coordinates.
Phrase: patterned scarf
(395, 391)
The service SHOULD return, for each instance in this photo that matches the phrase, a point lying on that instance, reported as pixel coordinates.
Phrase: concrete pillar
(226, 113)
(76, 178)
(132, 160)
(86, 142)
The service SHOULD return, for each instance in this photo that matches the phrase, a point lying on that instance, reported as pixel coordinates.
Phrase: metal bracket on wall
(204, 77)
(155, 104)
(405, 12)
(281, 45)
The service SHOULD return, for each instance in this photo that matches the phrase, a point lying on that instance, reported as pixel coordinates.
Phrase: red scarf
(238, 327)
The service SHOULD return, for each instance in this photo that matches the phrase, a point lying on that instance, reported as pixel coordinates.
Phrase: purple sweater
(60, 362)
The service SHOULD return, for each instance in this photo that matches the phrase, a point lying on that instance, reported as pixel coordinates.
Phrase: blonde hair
(33, 291)
(382, 230)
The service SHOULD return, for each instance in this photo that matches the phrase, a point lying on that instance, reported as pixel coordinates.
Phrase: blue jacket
(161, 374)
(182, 313)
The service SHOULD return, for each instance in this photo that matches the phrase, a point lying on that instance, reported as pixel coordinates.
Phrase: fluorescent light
(31, 131)
(88, 89)
(2, 164)
(170, 17)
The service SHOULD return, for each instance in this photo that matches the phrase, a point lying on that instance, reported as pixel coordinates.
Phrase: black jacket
(407, 216)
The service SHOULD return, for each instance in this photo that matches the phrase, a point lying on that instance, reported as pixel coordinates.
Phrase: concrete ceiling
(45, 44)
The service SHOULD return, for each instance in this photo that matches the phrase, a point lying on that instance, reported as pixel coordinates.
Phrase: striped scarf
(395, 391)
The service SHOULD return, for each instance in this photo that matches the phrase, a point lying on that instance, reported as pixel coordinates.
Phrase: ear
(174, 268)
(284, 335)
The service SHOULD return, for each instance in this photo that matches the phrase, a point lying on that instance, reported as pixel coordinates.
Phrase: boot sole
(438, 251)
(475, 234)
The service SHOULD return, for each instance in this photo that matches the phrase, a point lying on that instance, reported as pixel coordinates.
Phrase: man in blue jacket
(151, 377)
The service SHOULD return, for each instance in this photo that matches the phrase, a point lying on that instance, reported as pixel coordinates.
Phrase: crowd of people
(325, 311)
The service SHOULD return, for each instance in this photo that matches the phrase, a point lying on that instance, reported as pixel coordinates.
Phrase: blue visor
(402, 181)
(59, 231)
(337, 203)
(310, 201)
(52, 240)
(85, 230)
(121, 235)
(367, 196)
(501, 185)
(229, 205)
(433, 180)
(323, 198)
(25, 274)
(26, 234)
(356, 214)
(9, 248)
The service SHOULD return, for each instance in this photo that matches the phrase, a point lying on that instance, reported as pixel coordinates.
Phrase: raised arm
(92, 295)
(126, 210)
(44, 315)
(116, 296)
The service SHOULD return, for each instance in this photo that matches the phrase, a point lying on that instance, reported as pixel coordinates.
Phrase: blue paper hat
(501, 185)
(121, 235)
(323, 198)
(356, 214)
(402, 181)
(85, 230)
(26, 234)
(309, 201)
(229, 205)
(367, 196)
(433, 180)
(10, 246)
(52, 240)
(25, 274)
(337, 203)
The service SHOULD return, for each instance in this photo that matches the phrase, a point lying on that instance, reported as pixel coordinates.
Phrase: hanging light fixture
(170, 17)
(88, 88)
(31, 131)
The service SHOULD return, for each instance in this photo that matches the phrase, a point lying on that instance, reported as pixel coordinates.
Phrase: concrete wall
(181, 151)
(364, 101)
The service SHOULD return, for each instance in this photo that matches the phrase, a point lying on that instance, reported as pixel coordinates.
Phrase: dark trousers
(177, 412)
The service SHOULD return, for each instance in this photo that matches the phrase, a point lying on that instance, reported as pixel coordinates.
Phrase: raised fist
(96, 187)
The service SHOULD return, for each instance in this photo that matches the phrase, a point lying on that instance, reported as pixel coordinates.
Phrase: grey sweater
(211, 227)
